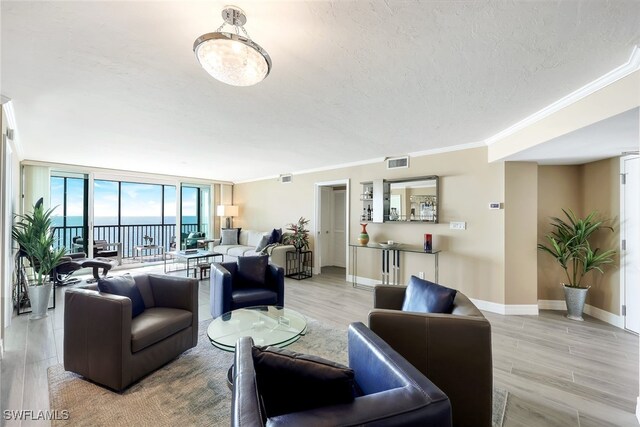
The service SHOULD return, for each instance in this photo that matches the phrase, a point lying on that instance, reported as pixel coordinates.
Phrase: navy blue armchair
(229, 292)
(391, 391)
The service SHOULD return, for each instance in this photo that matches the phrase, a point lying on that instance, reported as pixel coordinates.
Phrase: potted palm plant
(33, 234)
(568, 243)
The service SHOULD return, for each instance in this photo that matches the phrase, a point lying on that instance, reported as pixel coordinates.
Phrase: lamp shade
(232, 59)
(227, 210)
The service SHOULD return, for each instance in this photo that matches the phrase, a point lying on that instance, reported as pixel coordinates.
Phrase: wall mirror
(411, 200)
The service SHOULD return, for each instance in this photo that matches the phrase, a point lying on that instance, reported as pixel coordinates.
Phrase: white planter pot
(575, 298)
(39, 297)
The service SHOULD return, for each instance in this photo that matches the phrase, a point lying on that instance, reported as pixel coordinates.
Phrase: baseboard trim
(506, 309)
(550, 304)
(598, 313)
(364, 281)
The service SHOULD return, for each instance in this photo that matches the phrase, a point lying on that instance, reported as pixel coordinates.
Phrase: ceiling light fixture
(229, 57)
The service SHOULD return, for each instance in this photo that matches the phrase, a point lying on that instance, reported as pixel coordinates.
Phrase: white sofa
(248, 241)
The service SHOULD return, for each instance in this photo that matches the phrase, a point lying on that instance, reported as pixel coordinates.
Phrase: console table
(390, 261)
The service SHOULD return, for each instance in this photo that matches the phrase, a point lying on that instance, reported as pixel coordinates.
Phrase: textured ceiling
(115, 84)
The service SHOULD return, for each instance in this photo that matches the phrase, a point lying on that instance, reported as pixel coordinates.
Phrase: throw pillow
(310, 381)
(262, 243)
(229, 236)
(253, 269)
(124, 286)
(276, 236)
(427, 297)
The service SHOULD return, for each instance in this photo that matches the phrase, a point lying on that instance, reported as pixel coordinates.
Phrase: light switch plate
(458, 225)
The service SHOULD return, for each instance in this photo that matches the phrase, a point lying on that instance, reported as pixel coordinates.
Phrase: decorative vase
(39, 297)
(363, 239)
(575, 298)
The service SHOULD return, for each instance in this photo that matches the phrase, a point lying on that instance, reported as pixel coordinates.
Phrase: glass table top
(267, 325)
(402, 247)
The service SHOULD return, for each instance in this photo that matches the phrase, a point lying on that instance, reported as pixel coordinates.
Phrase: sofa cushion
(229, 236)
(253, 269)
(427, 297)
(310, 381)
(250, 237)
(124, 286)
(264, 241)
(223, 249)
(238, 251)
(156, 324)
(275, 236)
(253, 296)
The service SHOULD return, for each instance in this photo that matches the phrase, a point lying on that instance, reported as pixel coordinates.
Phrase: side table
(299, 265)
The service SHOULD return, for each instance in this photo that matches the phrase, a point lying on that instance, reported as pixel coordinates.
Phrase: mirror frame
(387, 199)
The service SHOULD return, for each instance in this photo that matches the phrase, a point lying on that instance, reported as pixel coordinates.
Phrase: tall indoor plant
(35, 237)
(568, 243)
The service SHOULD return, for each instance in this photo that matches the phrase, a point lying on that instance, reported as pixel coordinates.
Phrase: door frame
(316, 221)
(623, 294)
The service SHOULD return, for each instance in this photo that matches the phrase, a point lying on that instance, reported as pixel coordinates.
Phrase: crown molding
(371, 161)
(632, 65)
(458, 147)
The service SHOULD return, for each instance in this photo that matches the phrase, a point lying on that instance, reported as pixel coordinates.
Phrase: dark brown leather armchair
(452, 350)
(104, 344)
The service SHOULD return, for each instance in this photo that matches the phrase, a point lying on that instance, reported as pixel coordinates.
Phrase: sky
(138, 200)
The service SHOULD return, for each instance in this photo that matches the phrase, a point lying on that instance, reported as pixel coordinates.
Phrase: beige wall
(15, 206)
(472, 260)
(520, 235)
(601, 192)
(558, 188)
(582, 188)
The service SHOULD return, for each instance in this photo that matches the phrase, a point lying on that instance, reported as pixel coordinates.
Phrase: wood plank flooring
(557, 372)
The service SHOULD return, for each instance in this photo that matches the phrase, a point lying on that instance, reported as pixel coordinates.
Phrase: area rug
(191, 390)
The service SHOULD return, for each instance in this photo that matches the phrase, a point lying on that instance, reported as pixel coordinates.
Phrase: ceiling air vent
(286, 179)
(398, 162)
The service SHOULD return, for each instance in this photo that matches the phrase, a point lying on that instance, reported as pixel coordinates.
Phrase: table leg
(354, 270)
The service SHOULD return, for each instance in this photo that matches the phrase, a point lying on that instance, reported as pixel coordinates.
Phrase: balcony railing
(130, 235)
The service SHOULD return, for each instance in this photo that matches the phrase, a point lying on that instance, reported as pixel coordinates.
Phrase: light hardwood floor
(558, 372)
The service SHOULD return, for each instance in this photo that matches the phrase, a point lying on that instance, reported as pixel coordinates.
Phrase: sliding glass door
(195, 212)
(134, 214)
(69, 199)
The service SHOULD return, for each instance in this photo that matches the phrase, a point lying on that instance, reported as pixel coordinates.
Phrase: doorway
(331, 225)
(630, 236)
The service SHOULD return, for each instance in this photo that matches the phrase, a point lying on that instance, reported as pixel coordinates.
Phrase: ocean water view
(76, 221)
(130, 233)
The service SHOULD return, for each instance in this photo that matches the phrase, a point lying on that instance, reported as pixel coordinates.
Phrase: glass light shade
(232, 59)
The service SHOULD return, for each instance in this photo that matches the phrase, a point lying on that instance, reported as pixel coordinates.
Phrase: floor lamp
(228, 211)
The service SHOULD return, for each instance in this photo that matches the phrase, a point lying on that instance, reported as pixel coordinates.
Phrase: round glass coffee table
(267, 325)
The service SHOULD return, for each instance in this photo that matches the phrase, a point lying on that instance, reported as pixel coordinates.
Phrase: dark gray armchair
(229, 292)
(390, 392)
(104, 344)
(453, 350)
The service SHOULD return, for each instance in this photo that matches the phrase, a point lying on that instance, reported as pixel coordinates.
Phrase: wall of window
(127, 212)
